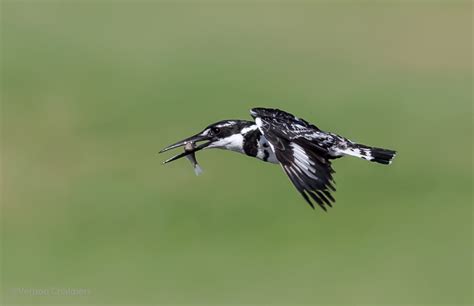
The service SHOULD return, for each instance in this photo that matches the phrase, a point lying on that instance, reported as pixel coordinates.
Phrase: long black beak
(194, 139)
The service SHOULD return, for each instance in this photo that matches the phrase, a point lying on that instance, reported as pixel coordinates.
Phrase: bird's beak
(196, 138)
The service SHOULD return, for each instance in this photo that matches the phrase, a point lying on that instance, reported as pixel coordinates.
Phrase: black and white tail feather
(379, 155)
(303, 150)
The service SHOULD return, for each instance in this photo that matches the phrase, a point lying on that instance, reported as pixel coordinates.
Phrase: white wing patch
(303, 162)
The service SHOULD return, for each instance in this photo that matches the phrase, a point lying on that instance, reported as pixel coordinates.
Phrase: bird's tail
(378, 155)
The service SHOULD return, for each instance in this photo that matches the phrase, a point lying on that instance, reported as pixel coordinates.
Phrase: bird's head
(227, 134)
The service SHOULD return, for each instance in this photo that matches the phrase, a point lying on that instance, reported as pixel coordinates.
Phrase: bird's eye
(215, 130)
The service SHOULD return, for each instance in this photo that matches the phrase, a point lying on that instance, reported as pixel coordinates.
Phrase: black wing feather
(297, 184)
(305, 162)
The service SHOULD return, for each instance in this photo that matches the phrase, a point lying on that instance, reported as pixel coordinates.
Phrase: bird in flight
(303, 151)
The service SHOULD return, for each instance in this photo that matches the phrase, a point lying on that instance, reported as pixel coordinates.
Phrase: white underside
(265, 146)
(262, 143)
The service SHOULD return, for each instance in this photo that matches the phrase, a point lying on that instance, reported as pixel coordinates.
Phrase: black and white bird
(303, 150)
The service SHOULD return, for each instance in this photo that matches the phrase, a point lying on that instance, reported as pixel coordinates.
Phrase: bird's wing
(304, 161)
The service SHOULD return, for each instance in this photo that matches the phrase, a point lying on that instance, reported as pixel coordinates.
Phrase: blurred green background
(92, 90)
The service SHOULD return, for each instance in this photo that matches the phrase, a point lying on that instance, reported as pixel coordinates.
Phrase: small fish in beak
(189, 147)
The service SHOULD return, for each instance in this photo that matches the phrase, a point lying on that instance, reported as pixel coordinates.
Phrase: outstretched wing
(304, 161)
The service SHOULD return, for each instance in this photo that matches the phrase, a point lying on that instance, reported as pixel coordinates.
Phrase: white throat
(234, 142)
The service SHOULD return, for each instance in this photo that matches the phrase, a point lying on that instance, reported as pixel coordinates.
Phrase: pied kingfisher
(303, 150)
